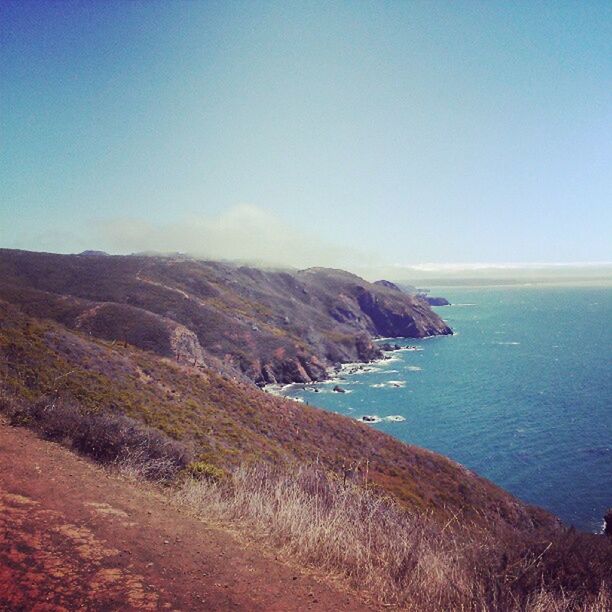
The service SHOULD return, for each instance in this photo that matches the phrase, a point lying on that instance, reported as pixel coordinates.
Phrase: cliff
(268, 326)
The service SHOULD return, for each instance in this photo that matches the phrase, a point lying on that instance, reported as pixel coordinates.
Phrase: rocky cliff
(264, 325)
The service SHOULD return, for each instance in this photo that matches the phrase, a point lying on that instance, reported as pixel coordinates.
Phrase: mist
(244, 233)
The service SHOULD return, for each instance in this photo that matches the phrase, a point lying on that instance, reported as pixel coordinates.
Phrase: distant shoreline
(488, 283)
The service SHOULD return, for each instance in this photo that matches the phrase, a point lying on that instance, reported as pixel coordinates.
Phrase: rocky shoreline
(337, 373)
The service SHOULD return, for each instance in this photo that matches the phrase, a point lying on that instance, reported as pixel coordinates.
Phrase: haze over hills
(494, 274)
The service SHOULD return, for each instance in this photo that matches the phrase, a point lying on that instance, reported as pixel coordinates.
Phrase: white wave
(357, 368)
(395, 418)
(390, 383)
(412, 368)
(276, 389)
(507, 343)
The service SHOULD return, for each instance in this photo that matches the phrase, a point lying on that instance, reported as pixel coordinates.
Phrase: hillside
(228, 422)
(106, 332)
(152, 363)
(268, 326)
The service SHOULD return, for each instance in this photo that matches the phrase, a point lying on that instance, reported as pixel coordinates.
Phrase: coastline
(337, 375)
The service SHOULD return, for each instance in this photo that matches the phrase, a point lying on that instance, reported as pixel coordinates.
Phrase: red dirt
(74, 537)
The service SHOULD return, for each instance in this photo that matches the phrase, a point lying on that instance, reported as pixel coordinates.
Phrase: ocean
(521, 394)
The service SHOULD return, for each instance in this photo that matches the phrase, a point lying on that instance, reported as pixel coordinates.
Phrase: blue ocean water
(522, 394)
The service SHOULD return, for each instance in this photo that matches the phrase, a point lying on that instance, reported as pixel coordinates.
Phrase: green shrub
(202, 470)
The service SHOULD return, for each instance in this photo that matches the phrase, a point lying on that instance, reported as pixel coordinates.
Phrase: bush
(200, 469)
(106, 438)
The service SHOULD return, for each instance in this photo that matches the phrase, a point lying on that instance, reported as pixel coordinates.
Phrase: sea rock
(390, 347)
(435, 301)
(339, 389)
(608, 523)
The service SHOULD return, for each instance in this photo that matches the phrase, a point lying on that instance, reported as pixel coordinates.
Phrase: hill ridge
(266, 326)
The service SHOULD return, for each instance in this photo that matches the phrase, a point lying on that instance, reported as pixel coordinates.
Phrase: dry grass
(394, 557)
(342, 527)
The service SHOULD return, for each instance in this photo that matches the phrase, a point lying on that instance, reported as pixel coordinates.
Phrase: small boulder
(608, 523)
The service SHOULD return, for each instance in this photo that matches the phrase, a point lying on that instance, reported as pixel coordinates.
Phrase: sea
(521, 394)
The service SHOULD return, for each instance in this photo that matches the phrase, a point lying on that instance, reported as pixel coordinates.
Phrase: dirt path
(73, 537)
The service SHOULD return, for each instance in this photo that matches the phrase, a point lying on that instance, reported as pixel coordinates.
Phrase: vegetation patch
(199, 470)
(401, 558)
(106, 438)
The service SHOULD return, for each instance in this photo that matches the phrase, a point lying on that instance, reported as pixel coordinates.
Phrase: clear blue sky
(399, 132)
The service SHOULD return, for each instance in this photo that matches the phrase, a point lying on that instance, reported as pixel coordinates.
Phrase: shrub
(201, 470)
(107, 438)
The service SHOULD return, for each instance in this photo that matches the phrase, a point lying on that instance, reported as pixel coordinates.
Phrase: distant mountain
(410, 290)
(266, 326)
(387, 284)
(406, 288)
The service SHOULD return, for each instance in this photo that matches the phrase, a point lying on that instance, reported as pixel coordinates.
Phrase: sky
(348, 134)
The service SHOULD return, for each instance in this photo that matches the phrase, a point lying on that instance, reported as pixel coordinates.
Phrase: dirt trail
(74, 537)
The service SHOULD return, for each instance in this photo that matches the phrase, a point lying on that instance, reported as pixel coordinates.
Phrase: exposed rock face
(399, 319)
(267, 326)
(186, 346)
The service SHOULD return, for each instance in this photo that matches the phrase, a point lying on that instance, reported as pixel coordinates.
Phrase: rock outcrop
(436, 301)
(608, 523)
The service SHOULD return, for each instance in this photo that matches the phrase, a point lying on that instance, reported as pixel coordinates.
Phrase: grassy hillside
(324, 489)
(143, 371)
(230, 422)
